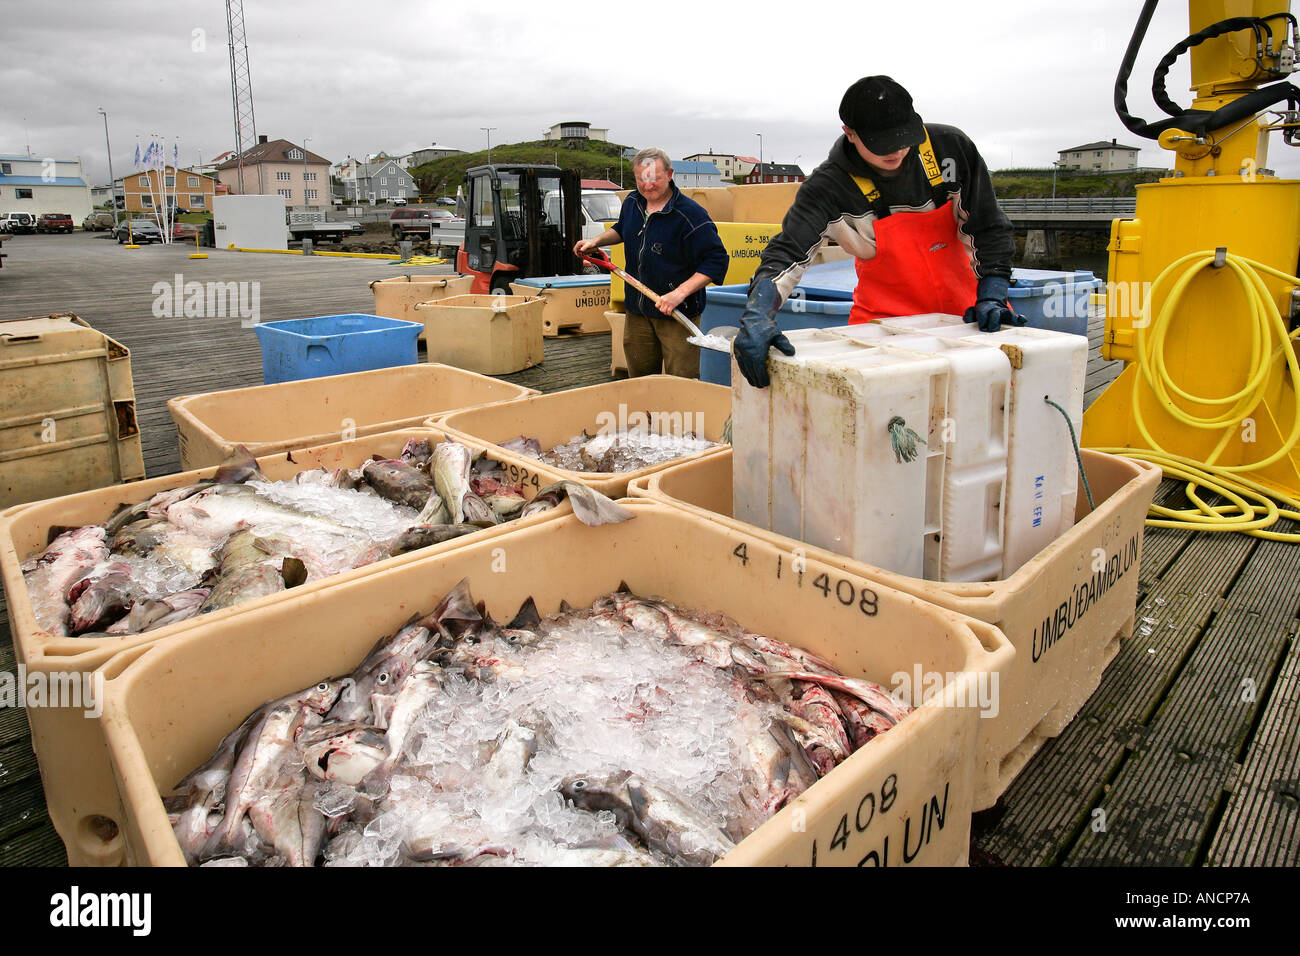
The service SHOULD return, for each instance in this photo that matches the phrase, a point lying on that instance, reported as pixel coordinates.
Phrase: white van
(599, 210)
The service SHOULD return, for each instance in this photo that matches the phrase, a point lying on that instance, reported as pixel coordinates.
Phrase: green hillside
(1033, 184)
(595, 160)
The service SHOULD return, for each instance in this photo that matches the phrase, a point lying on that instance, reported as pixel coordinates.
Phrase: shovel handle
(600, 259)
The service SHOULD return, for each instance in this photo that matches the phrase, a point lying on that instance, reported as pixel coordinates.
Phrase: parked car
(18, 222)
(398, 201)
(444, 217)
(184, 232)
(410, 222)
(141, 230)
(54, 222)
(98, 222)
(446, 200)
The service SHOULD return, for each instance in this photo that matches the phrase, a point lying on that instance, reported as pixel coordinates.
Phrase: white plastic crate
(975, 438)
(814, 458)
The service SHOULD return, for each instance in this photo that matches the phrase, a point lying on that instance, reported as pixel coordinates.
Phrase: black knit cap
(880, 112)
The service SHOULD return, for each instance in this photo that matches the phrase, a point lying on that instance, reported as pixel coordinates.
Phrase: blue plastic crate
(563, 282)
(297, 349)
(724, 305)
(1059, 301)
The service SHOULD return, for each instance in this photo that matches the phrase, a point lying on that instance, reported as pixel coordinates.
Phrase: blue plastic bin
(297, 349)
(563, 282)
(1059, 301)
(724, 305)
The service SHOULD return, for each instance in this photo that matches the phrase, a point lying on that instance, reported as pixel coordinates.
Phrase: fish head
(598, 791)
(320, 698)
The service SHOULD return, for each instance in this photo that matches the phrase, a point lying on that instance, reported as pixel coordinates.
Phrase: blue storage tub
(1059, 301)
(563, 282)
(724, 305)
(297, 349)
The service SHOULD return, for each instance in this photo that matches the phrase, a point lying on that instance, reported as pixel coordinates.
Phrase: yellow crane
(1202, 299)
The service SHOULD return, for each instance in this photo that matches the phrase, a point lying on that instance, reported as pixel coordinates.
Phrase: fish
(869, 692)
(815, 705)
(265, 780)
(398, 482)
(523, 446)
(381, 673)
(422, 536)
(101, 599)
(434, 512)
(509, 761)
(251, 567)
(238, 468)
(149, 615)
(450, 468)
(590, 506)
(475, 509)
(659, 817)
(417, 452)
(343, 752)
(68, 559)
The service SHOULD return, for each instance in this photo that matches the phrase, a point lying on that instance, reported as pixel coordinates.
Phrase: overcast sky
(1024, 79)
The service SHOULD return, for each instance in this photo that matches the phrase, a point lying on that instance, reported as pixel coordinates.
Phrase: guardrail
(1108, 206)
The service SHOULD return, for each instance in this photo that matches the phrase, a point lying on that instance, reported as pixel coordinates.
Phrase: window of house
(6, 169)
(144, 180)
(1097, 153)
(311, 194)
(196, 201)
(193, 181)
(286, 193)
(282, 177)
(146, 201)
(294, 154)
(309, 177)
(171, 179)
(383, 194)
(22, 194)
(384, 182)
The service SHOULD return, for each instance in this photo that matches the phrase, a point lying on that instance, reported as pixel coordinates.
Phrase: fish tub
(493, 334)
(267, 419)
(669, 405)
(1065, 611)
(575, 305)
(295, 349)
(69, 747)
(397, 296)
(905, 797)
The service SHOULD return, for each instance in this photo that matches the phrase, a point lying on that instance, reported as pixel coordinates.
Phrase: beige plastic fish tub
(267, 419)
(492, 334)
(903, 798)
(669, 404)
(1065, 611)
(397, 296)
(69, 746)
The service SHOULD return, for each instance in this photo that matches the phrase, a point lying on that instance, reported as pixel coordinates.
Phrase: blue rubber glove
(990, 310)
(759, 332)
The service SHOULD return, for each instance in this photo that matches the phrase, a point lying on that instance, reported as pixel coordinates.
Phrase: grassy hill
(592, 161)
(1034, 184)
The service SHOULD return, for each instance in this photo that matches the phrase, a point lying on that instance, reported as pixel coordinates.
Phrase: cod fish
(235, 470)
(450, 468)
(590, 506)
(660, 818)
(398, 482)
(52, 574)
(250, 568)
(151, 615)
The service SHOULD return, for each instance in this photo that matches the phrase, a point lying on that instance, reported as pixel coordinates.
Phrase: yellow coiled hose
(1252, 507)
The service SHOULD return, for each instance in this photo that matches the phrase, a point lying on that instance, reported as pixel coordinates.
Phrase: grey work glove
(990, 310)
(759, 332)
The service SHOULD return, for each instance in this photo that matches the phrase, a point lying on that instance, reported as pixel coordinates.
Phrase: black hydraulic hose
(1132, 123)
(1231, 25)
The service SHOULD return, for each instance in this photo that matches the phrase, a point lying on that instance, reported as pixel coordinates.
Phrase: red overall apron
(920, 264)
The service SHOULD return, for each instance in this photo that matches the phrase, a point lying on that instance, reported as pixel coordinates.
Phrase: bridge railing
(1086, 205)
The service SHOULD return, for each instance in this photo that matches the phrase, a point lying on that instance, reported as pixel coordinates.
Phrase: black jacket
(831, 206)
(674, 244)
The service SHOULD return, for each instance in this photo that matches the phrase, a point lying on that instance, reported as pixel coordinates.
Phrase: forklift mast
(522, 221)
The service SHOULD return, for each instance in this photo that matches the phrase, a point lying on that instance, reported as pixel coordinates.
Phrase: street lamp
(112, 189)
(305, 141)
(488, 130)
(760, 156)
(1056, 164)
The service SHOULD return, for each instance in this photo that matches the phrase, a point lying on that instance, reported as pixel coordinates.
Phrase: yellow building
(193, 191)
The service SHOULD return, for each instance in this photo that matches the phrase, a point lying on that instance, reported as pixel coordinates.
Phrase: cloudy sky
(1024, 78)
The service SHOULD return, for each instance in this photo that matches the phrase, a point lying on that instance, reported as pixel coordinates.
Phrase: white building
(575, 130)
(689, 173)
(1103, 156)
(44, 185)
(729, 166)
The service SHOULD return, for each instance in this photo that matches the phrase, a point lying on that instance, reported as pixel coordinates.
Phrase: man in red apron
(912, 203)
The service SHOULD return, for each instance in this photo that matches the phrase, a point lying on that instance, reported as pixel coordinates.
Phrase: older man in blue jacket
(673, 247)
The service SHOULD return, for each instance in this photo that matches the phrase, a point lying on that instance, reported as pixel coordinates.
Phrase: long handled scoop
(715, 343)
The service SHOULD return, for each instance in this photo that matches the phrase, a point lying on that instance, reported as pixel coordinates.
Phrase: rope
(1077, 457)
(903, 440)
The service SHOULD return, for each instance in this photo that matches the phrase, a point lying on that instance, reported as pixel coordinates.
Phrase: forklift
(521, 221)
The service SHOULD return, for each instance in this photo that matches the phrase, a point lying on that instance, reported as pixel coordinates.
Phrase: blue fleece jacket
(668, 247)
